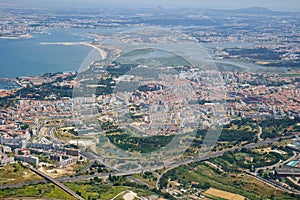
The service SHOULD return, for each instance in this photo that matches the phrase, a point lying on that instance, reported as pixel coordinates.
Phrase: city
(169, 104)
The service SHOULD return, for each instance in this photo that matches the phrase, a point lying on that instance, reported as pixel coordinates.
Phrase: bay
(23, 57)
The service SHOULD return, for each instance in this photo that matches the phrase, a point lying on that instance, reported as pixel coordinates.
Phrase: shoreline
(101, 51)
(26, 36)
(6, 84)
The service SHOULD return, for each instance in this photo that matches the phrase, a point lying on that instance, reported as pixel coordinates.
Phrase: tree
(78, 192)
(260, 172)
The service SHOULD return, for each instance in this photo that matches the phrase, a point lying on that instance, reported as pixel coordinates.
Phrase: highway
(278, 164)
(272, 183)
(216, 154)
(52, 137)
(91, 163)
(132, 179)
(169, 166)
(56, 182)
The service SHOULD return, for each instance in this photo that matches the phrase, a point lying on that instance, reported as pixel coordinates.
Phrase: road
(52, 137)
(91, 163)
(121, 193)
(158, 178)
(216, 154)
(259, 133)
(168, 165)
(132, 179)
(272, 183)
(279, 163)
(96, 158)
(56, 182)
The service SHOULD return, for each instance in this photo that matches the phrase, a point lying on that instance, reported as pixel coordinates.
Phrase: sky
(280, 5)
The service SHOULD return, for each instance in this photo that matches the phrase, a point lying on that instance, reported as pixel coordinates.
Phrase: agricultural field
(222, 194)
(15, 173)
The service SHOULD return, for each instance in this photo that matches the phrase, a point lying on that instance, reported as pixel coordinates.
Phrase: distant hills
(254, 10)
(251, 10)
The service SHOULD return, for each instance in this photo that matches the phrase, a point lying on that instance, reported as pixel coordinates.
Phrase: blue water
(28, 57)
(7, 85)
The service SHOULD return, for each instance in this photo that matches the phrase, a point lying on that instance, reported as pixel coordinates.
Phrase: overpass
(168, 165)
(57, 183)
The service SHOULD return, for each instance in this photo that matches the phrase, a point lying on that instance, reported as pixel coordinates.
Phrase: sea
(26, 57)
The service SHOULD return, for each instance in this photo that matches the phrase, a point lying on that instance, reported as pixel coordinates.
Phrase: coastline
(26, 36)
(8, 84)
(101, 51)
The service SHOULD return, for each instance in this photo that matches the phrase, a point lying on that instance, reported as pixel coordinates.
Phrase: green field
(157, 56)
(148, 178)
(87, 189)
(238, 182)
(15, 173)
(36, 191)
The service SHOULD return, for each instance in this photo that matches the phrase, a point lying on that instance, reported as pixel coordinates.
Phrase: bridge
(57, 183)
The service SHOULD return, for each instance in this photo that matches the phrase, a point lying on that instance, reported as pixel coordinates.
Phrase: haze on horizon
(278, 5)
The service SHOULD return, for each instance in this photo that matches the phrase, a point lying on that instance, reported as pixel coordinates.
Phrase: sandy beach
(101, 51)
(12, 37)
